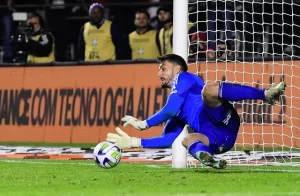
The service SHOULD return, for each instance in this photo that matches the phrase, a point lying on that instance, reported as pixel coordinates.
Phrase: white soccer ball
(107, 155)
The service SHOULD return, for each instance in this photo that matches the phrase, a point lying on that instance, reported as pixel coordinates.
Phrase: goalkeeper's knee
(210, 94)
(193, 137)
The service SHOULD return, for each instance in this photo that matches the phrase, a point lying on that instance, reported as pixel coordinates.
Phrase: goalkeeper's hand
(130, 120)
(123, 140)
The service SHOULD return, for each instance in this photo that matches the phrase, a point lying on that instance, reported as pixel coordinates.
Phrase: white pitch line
(45, 163)
(211, 194)
(277, 170)
(151, 166)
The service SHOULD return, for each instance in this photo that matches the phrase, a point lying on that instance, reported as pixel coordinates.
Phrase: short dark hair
(37, 15)
(143, 12)
(174, 58)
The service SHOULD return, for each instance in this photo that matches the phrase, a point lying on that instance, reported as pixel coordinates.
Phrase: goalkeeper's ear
(120, 132)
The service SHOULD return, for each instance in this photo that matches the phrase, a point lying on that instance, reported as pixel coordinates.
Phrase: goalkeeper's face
(166, 73)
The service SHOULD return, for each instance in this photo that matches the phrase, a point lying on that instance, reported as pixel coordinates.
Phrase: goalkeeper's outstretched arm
(172, 129)
(179, 91)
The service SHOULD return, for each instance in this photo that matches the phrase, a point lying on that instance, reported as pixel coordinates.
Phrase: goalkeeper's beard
(166, 84)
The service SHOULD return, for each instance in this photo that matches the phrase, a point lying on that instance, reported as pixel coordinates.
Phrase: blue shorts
(221, 126)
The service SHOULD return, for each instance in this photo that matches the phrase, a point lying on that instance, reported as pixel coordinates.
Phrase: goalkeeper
(203, 107)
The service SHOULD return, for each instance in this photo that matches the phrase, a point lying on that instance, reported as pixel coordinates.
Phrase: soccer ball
(107, 155)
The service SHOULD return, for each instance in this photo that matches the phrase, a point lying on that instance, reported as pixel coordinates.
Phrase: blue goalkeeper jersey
(185, 101)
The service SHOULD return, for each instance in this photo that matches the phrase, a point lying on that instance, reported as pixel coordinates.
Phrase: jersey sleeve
(172, 129)
(181, 85)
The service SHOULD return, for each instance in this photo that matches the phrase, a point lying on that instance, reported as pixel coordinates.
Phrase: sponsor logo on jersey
(174, 83)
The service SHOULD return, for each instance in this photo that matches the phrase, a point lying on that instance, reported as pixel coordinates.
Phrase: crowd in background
(98, 30)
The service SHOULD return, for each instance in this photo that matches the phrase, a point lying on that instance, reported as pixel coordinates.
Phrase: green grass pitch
(54, 177)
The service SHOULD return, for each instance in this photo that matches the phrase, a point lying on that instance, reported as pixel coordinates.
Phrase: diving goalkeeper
(203, 107)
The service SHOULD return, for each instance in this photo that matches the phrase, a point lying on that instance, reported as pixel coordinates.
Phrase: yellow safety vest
(165, 42)
(98, 42)
(47, 59)
(143, 46)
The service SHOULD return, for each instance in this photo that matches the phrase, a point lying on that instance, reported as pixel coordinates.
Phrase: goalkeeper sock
(238, 92)
(198, 147)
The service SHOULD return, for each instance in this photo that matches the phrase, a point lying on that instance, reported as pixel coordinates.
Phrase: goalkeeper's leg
(213, 93)
(198, 147)
(218, 132)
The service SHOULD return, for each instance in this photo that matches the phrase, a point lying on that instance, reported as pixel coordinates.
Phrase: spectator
(100, 39)
(217, 9)
(198, 45)
(165, 35)
(39, 42)
(142, 41)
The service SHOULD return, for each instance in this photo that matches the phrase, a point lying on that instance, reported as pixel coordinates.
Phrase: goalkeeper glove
(123, 140)
(130, 120)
